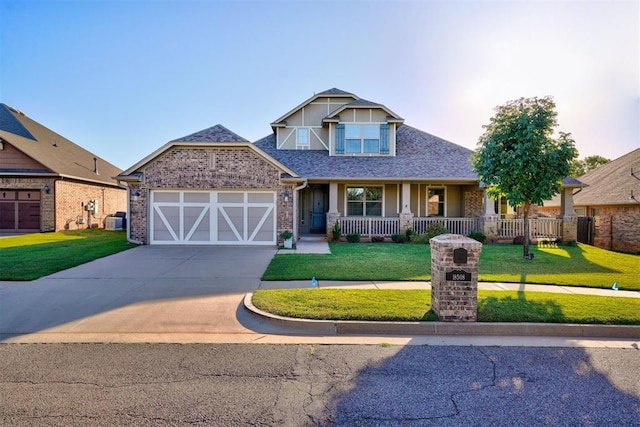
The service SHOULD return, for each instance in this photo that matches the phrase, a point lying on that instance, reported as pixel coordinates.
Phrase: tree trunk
(525, 217)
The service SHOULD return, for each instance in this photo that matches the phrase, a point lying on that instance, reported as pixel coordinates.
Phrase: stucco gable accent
(333, 93)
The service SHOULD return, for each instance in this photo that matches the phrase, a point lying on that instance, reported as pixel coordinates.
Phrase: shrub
(518, 240)
(336, 232)
(409, 233)
(399, 238)
(353, 237)
(377, 239)
(286, 235)
(421, 239)
(436, 229)
(478, 235)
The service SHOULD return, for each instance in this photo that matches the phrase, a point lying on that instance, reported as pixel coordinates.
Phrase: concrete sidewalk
(489, 286)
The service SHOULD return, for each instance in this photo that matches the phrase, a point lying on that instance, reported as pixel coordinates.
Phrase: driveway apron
(148, 289)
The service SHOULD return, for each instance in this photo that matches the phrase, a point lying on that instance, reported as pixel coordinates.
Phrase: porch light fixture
(46, 188)
(136, 196)
(286, 196)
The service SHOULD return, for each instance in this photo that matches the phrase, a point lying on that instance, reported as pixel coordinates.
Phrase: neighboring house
(612, 198)
(47, 183)
(335, 157)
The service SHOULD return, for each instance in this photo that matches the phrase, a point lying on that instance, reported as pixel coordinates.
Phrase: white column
(333, 197)
(406, 197)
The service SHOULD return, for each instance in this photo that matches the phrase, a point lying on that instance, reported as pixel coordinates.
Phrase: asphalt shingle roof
(217, 133)
(53, 151)
(608, 184)
(419, 155)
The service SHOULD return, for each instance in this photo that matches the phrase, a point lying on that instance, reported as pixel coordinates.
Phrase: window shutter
(384, 138)
(340, 138)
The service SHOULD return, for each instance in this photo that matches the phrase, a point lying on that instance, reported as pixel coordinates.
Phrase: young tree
(518, 158)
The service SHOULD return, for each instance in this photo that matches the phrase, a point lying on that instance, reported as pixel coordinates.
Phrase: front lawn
(580, 265)
(415, 305)
(30, 256)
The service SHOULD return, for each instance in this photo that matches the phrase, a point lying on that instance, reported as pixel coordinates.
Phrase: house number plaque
(458, 276)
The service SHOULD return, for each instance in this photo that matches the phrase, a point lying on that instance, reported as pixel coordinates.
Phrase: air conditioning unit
(113, 223)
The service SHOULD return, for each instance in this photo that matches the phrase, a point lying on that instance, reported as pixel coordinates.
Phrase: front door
(318, 210)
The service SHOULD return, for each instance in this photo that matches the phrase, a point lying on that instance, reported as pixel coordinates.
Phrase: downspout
(129, 239)
(295, 209)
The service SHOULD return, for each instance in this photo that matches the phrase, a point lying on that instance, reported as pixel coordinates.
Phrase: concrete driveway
(145, 290)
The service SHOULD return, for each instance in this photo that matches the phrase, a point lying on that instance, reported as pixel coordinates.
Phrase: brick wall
(209, 169)
(69, 199)
(619, 228)
(473, 202)
(60, 208)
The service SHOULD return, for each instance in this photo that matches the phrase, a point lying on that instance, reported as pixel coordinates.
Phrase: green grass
(30, 256)
(580, 265)
(415, 305)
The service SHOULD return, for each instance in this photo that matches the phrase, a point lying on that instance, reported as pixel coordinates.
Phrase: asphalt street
(317, 385)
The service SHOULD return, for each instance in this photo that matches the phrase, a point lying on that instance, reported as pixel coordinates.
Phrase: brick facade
(210, 168)
(618, 228)
(60, 209)
(70, 198)
(473, 203)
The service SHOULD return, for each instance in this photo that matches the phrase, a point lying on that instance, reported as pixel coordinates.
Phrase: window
(435, 202)
(364, 201)
(303, 137)
(362, 138)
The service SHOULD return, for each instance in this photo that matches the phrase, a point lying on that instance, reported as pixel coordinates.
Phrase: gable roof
(609, 184)
(363, 103)
(333, 93)
(57, 154)
(419, 155)
(215, 136)
(217, 133)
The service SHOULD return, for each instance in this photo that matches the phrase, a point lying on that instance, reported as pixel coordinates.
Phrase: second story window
(302, 138)
(362, 139)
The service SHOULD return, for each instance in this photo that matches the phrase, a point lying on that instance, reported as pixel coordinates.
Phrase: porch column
(568, 215)
(332, 215)
(333, 197)
(406, 216)
(489, 218)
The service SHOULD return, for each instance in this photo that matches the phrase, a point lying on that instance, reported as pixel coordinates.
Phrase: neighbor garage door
(19, 210)
(213, 217)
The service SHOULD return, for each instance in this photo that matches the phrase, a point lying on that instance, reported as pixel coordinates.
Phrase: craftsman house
(334, 157)
(48, 183)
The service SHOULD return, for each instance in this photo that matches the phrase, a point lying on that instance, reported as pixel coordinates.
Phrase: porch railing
(369, 226)
(455, 225)
(538, 228)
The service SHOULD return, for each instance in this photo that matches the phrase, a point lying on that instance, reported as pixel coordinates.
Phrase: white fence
(379, 226)
(369, 226)
(455, 225)
(538, 228)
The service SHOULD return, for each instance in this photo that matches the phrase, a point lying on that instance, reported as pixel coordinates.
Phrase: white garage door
(213, 217)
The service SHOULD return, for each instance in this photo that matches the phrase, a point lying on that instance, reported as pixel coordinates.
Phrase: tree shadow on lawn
(520, 309)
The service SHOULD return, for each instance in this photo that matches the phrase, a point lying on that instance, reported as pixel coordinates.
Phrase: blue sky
(121, 78)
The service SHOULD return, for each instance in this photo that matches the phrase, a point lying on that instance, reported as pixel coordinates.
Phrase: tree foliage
(589, 163)
(518, 157)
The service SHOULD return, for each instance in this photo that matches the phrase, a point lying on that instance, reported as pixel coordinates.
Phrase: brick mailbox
(454, 277)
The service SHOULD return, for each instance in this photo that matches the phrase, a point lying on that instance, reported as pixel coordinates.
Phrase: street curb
(349, 327)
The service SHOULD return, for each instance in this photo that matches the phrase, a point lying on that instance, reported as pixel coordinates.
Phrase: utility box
(454, 277)
(113, 223)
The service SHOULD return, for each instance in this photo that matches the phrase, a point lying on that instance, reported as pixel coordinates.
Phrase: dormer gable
(336, 121)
